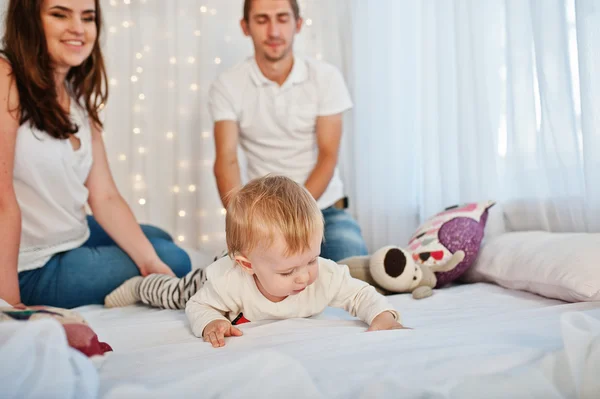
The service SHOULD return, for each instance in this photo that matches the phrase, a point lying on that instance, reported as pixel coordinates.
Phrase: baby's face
(278, 276)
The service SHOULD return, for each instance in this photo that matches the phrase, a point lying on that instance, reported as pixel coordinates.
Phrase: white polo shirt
(277, 123)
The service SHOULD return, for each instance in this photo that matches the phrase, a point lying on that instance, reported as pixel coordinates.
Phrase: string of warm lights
(164, 82)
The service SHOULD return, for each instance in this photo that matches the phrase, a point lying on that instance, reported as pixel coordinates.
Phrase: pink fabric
(85, 340)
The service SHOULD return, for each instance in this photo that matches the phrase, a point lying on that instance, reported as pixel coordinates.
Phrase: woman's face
(70, 29)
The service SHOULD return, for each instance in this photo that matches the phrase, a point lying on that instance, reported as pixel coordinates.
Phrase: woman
(53, 162)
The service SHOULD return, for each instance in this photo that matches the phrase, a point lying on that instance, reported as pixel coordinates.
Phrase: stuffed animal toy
(393, 270)
(439, 252)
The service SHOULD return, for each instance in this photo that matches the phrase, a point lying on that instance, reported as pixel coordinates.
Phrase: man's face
(272, 26)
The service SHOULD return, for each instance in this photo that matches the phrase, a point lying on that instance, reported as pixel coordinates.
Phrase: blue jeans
(342, 235)
(85, 275)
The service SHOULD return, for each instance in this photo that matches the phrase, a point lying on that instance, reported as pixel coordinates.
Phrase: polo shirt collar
(298, 74)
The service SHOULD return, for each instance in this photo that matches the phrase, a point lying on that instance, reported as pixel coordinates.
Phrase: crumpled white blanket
(572, 372)
(37, 362)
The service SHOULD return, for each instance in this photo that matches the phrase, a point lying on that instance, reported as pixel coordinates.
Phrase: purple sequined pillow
(458, 228)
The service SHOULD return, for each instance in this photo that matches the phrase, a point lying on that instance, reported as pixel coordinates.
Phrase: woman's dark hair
(24, 46)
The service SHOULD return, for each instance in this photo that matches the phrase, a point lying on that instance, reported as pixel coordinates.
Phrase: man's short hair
(266, 207)
(248, 5)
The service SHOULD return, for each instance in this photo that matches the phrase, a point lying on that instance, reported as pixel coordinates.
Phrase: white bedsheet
(468, 341)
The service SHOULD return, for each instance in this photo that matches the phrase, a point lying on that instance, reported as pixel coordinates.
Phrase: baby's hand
(385, 321)
(216, 331)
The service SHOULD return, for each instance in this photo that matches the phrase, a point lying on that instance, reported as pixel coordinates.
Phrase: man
(286, 113)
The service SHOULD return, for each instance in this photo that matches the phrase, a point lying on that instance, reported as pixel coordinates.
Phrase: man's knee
(343, 246)
(340, 225)
(343, 239)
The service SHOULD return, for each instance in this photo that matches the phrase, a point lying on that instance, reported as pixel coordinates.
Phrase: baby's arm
(206, 312)
(362, 300)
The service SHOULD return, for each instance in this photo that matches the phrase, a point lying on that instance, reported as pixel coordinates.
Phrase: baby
(274, 230)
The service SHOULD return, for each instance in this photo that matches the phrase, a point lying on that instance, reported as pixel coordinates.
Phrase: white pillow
(556, 265)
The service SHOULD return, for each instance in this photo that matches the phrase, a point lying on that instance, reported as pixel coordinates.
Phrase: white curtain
(467, 100)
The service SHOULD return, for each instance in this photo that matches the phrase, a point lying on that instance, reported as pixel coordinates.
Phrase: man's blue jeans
(85, 275)
(342, 235)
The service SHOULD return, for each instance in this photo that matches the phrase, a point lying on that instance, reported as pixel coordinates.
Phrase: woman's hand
(155, 266)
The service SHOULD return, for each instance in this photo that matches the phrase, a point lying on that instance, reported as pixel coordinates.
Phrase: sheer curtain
(460, 100)
(161, 58)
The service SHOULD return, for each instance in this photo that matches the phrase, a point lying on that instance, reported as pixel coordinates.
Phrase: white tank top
(49, 177)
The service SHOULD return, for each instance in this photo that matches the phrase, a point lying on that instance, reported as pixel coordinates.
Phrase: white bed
(468, 341)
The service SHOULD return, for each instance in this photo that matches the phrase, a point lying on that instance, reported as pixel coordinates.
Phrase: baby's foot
(126, 294)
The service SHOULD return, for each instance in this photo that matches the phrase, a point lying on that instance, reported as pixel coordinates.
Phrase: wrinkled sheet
(468, 341)
(37, 362)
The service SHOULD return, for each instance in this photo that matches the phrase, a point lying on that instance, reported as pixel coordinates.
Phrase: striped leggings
(167, 292)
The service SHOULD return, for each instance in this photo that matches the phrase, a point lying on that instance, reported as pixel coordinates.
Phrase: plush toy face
(456, 228)
(394, 270)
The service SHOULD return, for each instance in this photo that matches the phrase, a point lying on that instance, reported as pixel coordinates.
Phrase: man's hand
(216, 331)
(385, 321)
(156, 266)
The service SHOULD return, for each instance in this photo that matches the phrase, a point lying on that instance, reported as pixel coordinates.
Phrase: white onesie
(230, 293)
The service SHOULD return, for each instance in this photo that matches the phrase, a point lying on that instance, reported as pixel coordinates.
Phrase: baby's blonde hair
(269, 205)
